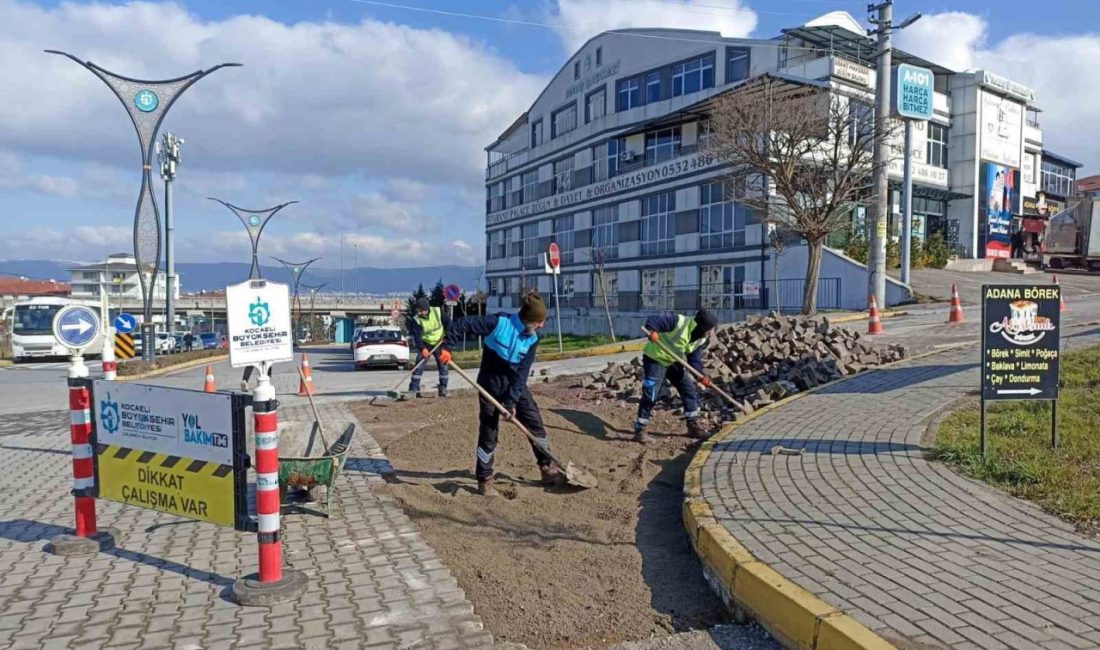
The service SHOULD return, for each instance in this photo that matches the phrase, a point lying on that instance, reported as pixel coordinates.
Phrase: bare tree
(779, 240)
(799, 155)
(597, 258)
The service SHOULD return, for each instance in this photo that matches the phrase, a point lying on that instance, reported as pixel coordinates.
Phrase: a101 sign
(914, 92)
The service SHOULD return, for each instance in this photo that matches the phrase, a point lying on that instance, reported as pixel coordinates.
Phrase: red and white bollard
(271, 584)
(110, 366)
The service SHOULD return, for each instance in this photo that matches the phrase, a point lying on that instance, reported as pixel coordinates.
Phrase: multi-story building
(118, 275)
(610, 163)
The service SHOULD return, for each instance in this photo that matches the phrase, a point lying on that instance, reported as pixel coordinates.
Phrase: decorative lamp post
(254, 222)
(296, 271)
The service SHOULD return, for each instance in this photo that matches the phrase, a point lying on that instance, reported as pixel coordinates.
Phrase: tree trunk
(775, 280)
(813, 271)
(606, 303)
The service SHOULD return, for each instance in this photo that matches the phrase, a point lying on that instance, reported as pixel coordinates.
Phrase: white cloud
(66, 243)
(576, 21)
(950, 39)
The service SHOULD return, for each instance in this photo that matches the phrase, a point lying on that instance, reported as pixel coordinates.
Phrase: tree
(598, 257)
(799, 155)
(780, 240)
(410, 303)
(436, 298)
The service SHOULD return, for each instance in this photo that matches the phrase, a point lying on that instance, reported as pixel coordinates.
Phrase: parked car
(213, 340)
(180, 346)
(166, 343)
(380, 346)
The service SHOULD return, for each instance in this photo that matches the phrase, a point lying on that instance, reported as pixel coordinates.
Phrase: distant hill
(211, 276)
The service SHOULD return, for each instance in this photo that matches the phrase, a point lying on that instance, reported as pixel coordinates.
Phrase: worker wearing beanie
(687, 337)
(427, 327)
(509, 352)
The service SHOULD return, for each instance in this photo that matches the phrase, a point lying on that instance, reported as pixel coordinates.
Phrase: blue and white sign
(259, 323)
(146, 101)
(914, 92)
(452, 292)
(76, 326)
(125, 323)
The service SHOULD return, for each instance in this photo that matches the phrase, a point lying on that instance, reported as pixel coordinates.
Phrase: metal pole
(907, 204)
(557, 311)
(984, 442)
(881, 184)
(1053, 424)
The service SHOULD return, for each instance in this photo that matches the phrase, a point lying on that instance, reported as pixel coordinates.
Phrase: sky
(374, 115)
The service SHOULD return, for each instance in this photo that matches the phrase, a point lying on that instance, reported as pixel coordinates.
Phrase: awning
(834, 39)
(338, 314)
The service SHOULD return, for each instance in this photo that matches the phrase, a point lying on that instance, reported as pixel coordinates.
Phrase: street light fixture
(147, 102)
(254, 222)
(296, 271)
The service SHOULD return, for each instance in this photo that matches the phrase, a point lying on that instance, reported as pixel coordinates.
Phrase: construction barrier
(956, 315)
(305, 385)
(874, 319)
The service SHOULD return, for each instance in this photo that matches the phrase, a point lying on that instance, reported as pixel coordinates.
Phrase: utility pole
(355, 270)
(168, 153)
(876, 262)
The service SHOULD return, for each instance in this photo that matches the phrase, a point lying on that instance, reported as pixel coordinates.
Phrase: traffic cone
(305, 386)
(956, 307)
(1060, 296)
(209, 386)
(874, 322)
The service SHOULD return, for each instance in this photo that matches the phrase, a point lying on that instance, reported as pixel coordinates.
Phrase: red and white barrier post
(110, 365)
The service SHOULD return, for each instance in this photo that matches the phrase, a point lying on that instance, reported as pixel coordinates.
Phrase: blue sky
(375, 117)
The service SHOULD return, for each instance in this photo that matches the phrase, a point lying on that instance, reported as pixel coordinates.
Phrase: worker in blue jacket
(427, 327)
(687, 337)
(509, 352)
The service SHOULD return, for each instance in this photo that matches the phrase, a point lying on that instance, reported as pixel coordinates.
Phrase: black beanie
(422, 303)
(704, 323)
(533, 309)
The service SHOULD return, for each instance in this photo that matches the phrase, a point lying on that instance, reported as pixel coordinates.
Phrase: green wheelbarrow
(307, 472)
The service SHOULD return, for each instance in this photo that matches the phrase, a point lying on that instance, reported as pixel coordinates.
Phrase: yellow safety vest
(431, 328)
(678, 340)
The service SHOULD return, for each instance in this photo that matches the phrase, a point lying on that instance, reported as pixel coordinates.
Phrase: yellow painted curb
(792, 612)
(598, 351)
(187, 365)
(842, 632)
(858, 316)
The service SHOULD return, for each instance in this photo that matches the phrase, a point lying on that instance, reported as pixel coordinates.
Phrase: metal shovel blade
(578, 476)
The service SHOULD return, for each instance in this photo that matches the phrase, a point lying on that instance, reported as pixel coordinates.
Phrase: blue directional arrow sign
(125, 323)
(76, 326)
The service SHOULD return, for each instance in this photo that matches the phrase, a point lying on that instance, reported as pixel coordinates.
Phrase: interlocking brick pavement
(906, 546)
(373, 580)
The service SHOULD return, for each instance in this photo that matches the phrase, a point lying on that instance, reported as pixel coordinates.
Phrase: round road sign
(555, 255)
(76, 326)
(125, 323)
(452, 292)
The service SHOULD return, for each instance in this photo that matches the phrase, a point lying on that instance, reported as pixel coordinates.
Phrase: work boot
(420, 394)
(695, 430)
(442, 391)
(485, 488)
(640, 436)
(551, 474)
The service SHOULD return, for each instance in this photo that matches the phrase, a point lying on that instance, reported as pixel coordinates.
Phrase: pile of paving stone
(758, 362)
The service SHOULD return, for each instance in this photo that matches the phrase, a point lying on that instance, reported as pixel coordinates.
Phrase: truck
(1072, 237)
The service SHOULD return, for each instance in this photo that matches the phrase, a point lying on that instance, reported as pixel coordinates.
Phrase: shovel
(400, 395)
(574, 474)
(698, 375)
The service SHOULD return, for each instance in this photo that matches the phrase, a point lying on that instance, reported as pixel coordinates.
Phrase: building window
(563, 174)
(536, 133)
(658, 289)
(605, 232)
(715, 218)
(595, 105)
(599, 56)
(719, 286)
(530, 242)
(563, 121)
(653, 87)
(495, 245)
(630, 93)
(693, 76)
(937, 145)
(530, 185)
(861, 124)
(737, 64)
(496, 196)
(609, 288)
(563, 236)
(658, 233)
(605, 160)
(576, 70)
(1057, 179)
(662, 145)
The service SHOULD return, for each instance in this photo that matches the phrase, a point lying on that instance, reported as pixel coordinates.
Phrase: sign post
(76, 327)
(451, 294)
(1020, 348)
(913, 96)
(260, 335)
(553, 267)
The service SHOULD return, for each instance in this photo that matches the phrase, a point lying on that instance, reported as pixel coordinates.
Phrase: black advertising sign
(1020, 341)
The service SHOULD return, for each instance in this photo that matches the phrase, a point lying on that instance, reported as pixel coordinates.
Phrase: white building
(119, 272)
(607, 162)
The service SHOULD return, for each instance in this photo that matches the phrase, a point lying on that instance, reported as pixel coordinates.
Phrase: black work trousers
(527, 413)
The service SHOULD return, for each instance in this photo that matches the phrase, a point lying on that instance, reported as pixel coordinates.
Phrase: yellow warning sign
(124, 346)
(180, 486)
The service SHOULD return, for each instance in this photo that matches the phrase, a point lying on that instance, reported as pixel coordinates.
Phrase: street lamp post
(168, 153)
(296, 271)
(147, 102)
(254, 222)
(312, 302)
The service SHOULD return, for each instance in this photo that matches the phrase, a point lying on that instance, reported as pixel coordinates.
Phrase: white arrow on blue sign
(125, 323)
(76, 326)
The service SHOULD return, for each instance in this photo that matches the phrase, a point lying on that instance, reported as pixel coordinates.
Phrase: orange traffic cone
(209, 386)
(1060, 296)
(956, 307)
(305, 386)
(874, 322)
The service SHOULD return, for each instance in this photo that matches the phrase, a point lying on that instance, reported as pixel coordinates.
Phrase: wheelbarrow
(307, 472)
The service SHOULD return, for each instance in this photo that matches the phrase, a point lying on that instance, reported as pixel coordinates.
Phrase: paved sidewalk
(913, 551)
(373, 581)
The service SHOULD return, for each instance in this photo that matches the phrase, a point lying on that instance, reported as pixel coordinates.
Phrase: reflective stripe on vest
(508, 340)
(431, 328)
(678, 340)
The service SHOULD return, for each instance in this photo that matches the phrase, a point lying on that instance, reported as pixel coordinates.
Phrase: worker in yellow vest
(687, 337)
(427, 328)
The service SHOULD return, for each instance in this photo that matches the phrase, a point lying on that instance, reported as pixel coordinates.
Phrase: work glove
(654, 336)
(704, 383)
(425, 352)
(445, 357)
